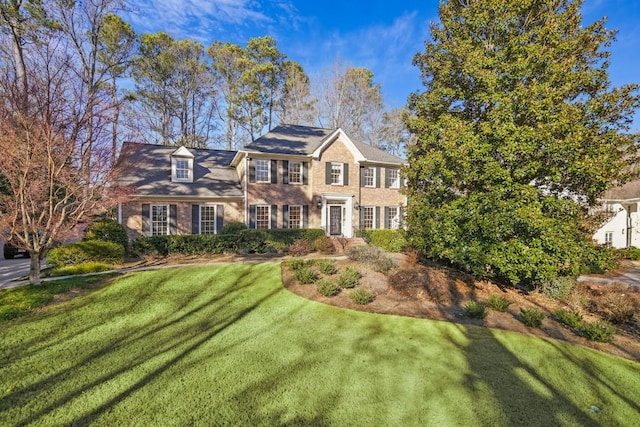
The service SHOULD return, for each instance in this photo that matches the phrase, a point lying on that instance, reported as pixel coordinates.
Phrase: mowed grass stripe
(229, 345)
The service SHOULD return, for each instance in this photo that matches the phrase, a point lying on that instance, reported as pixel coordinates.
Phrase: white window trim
(341, 180)
(395, 218)
(373, 217)
(151, 208)
(174, 169)
(289, 172)
(373, 177)
(268, 217)
(268, 162)
(215, 218)
(394, 183)
(300, 224)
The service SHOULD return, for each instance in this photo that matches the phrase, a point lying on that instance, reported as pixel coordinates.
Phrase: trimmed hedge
(387, 239)
(244, 241)
(107, 230)
(86, 251)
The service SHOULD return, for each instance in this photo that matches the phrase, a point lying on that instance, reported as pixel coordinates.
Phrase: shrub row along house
(292, 177)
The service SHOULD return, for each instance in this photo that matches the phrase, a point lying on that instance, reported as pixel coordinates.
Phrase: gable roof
(147, 168)
(306, 141)
(628, 191)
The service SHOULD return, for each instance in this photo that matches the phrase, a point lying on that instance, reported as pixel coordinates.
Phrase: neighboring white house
(622, 230)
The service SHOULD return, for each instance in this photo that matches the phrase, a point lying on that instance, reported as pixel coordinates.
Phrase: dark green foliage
(558, 288)
(327, 287)
(361, 296)
(389, 240)
(243, 241)
(107, 230)
(85, 251)
(476, 310)
(569, 318)
(628, 253)
(498, 303)
(532, 317)
(517, 113)
(349, 277)
(233, 227)
(305, 275)
(300, 248)
(597, 331)
(327, 266)
(295, 264)
(598, 259)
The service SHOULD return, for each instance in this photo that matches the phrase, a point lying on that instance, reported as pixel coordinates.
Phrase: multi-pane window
(262, 170)
(368, 213)
(207, 219)
(393, 219)
(336, 173)
(182, 169)
(295, 173)
(608, 238)
(394, 178)
(295, 216)
(159, 220)
(263, 216)
(369, 177)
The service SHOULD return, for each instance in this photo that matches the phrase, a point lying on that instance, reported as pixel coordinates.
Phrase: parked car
(11, 250)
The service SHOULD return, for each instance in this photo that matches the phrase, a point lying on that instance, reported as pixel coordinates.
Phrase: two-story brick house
(292, 177)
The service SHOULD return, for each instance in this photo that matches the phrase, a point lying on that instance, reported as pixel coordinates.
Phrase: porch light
(319, 204)
(356, 205)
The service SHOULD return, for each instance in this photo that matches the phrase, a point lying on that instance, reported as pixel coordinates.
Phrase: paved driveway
(11, 269)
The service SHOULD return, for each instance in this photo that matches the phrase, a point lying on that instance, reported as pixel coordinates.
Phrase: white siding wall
(617, 226)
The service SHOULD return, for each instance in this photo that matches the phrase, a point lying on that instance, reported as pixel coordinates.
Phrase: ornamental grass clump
(569, 318)
(476, 310)
(327, 287)
(327, 266)
(597, 331)
(532, 317)
(305, 275)
(361, 296)
(498, 303)
(349, 278)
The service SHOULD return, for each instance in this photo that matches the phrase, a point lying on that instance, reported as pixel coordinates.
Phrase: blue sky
(381, 35)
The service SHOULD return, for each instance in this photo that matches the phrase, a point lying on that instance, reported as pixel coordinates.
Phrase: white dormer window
(182, 165)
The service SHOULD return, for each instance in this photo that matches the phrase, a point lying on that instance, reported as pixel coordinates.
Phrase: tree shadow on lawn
(180, 340)
(521, 392)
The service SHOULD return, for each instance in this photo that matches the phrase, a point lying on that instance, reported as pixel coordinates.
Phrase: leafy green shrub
(327, 287)
(300, 248)
(498, 303)
(361, 296)
(476, 310)
(628, 253)
(532, 317)
(387, 239)
(289, 235)
(598, 260)
(305, 275)
(83, 268)
(327, 266)
(558, 288)
(597, 331)
(569, 318)
(349, 277)
(108, 230)
(324, 245)
(87, 250)
(150, 246)
(233, 227)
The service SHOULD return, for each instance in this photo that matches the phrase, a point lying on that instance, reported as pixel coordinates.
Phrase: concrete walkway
(630, 277)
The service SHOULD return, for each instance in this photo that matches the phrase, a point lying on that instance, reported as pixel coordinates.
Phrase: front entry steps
(342, 244)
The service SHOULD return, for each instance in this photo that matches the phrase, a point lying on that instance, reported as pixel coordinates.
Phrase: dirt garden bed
(440, 293)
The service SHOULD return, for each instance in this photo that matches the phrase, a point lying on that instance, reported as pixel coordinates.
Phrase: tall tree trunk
(34, 269)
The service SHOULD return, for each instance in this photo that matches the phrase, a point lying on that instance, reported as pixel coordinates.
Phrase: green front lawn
(229, 345)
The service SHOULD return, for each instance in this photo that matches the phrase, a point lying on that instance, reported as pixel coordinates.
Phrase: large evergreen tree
(518, 133)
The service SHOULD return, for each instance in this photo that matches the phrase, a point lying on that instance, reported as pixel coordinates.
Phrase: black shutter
(274, 171)
(377, 224)
(252, 170)
(195, 219)
(386, 216)
(285, 171)
(345, 174)
(387, 178)
(377, 177)
(146, 220)
(327, 179)
(362, 173)
(361, 219)
(285, 216)
(252, 216)
(173, 219)
(219, 218)
(305, 216)
(274, 216)
(305, 173)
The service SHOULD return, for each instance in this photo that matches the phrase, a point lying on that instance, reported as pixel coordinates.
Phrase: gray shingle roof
(303, 140)
(630, 190)
(147, 168)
